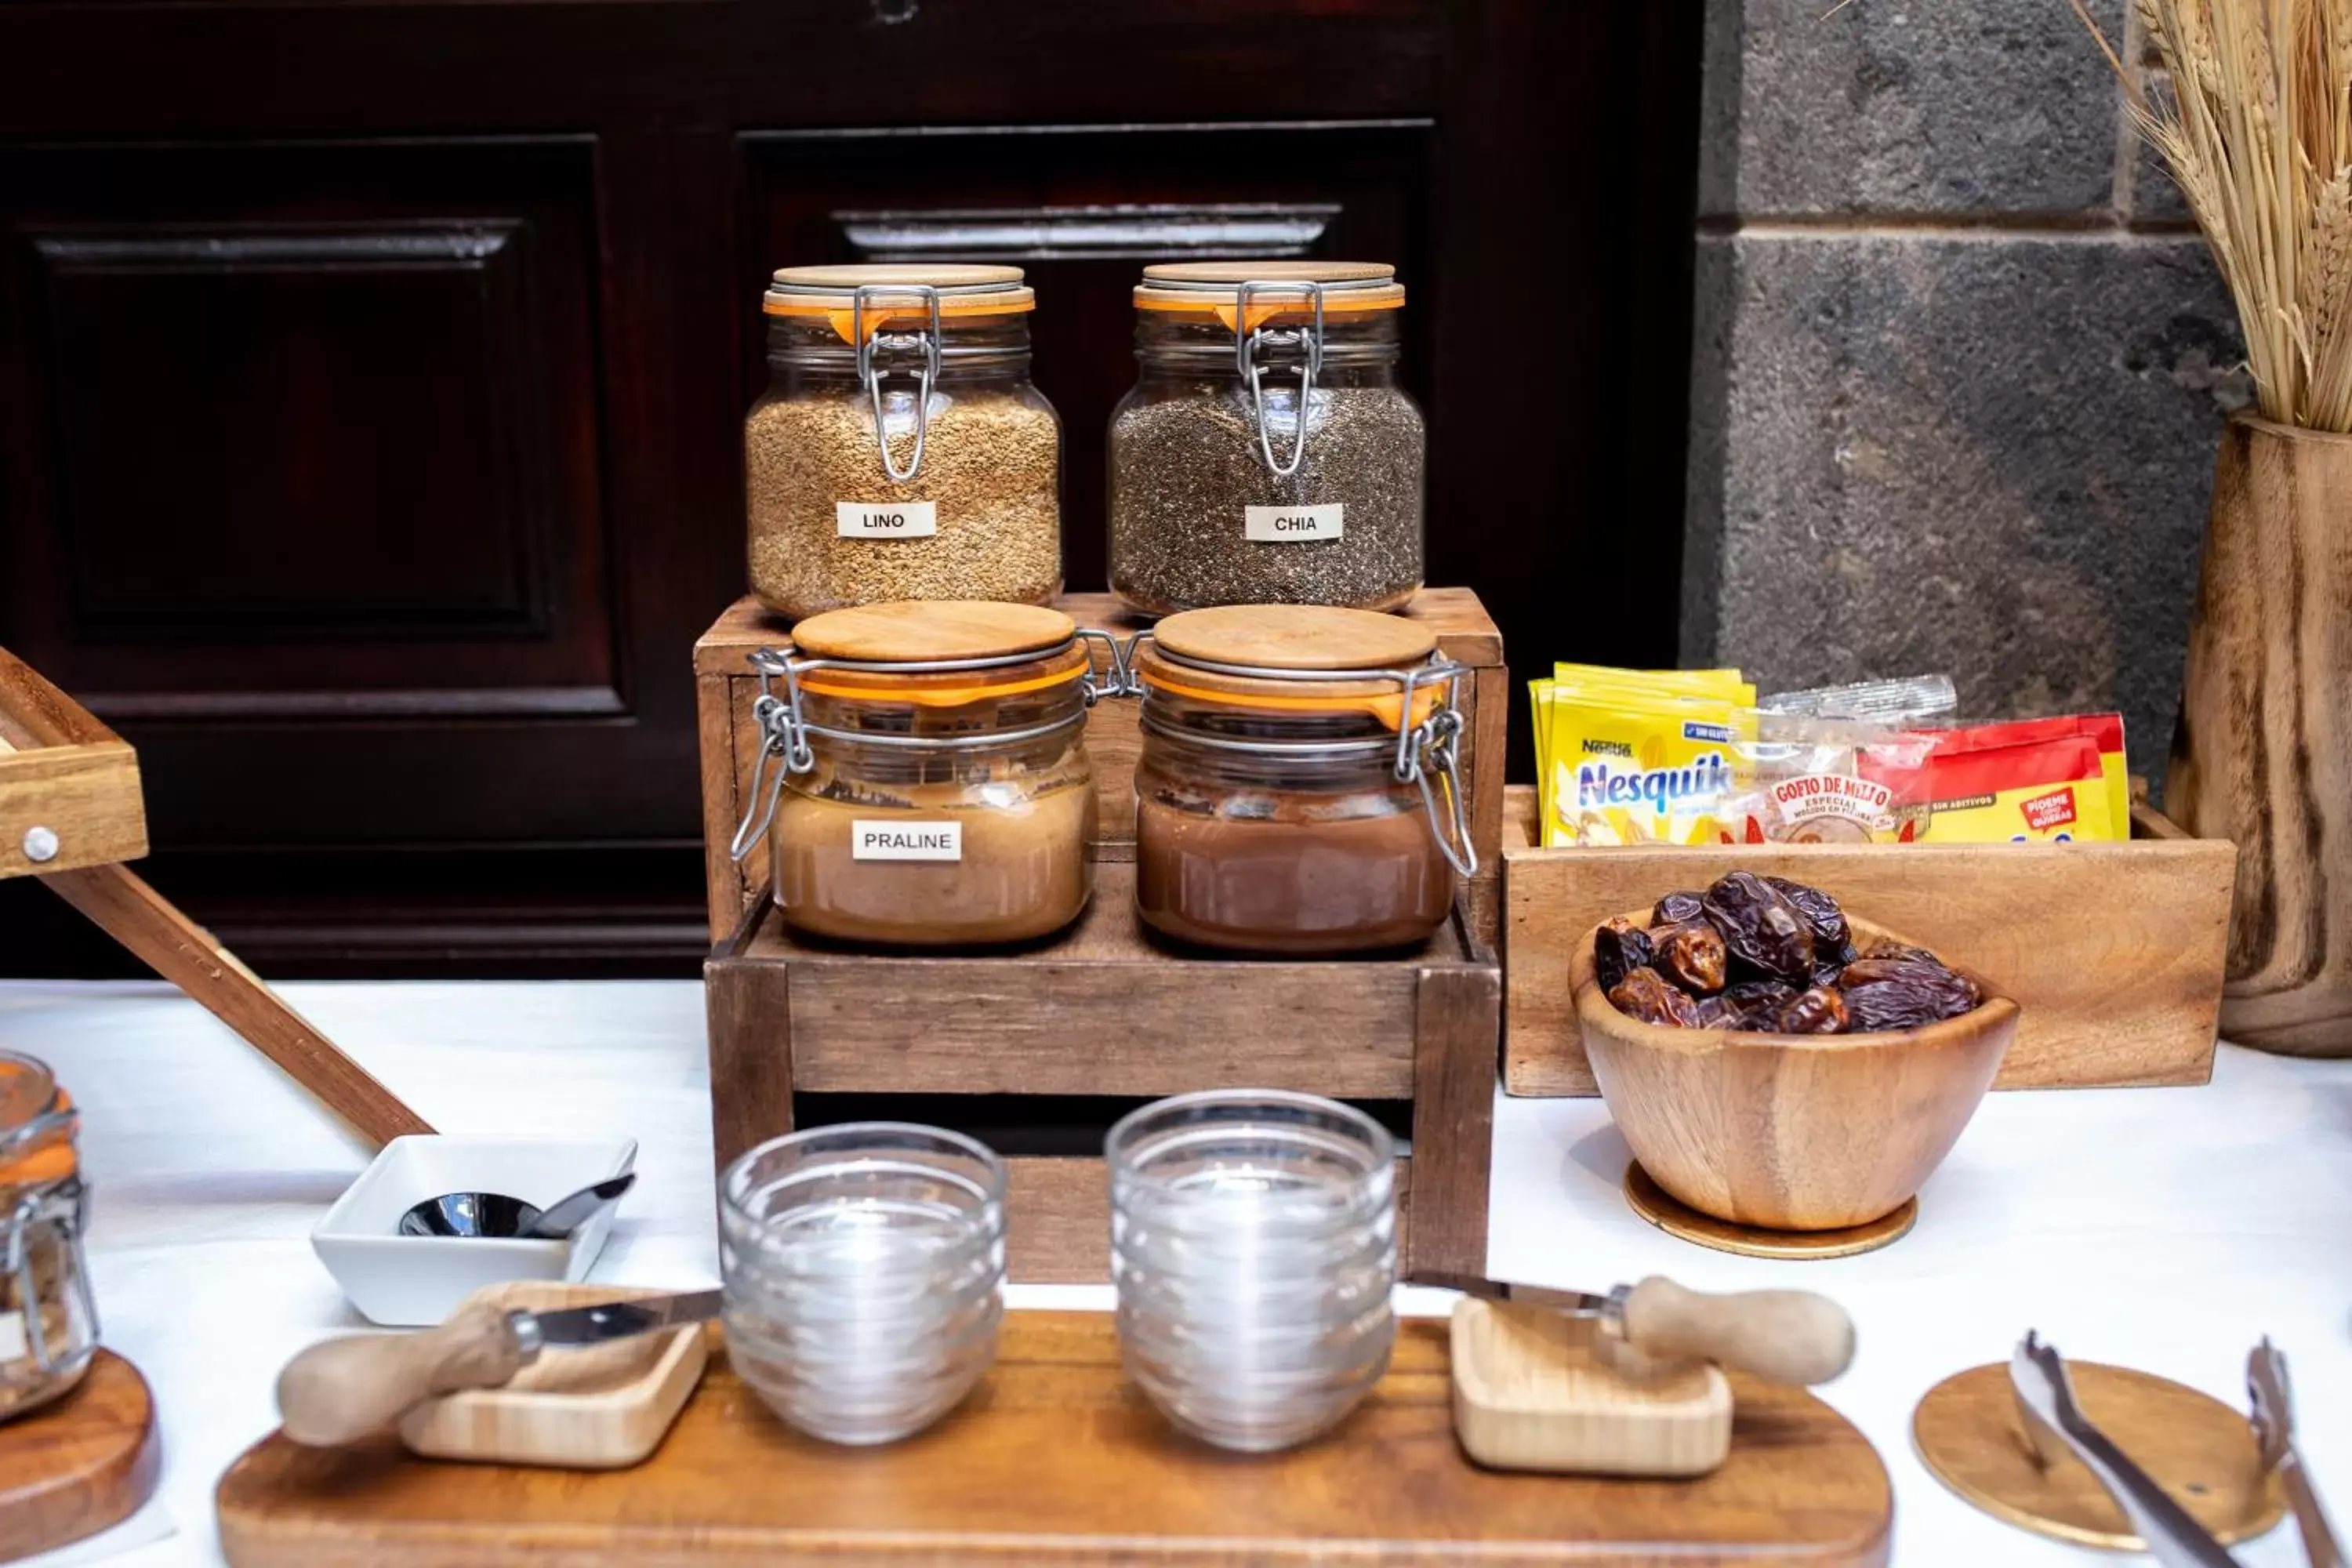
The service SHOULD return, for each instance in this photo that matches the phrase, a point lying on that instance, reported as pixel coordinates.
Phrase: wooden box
(70, 794)
(726, 686)
(2114, 952)
(1054, 1041)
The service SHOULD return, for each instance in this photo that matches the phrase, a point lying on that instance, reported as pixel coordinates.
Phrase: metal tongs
(2045, 1397)
(2273, 1424)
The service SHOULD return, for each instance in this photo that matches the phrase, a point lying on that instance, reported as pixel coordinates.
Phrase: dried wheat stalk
(2257, 130)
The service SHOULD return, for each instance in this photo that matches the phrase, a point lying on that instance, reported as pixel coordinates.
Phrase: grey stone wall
(1959, 366)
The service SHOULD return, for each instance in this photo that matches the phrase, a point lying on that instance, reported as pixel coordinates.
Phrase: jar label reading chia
(886, 519)
(906, 840)
(1294, 524)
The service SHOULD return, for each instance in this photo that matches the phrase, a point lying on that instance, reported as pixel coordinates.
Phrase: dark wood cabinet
(371, 376)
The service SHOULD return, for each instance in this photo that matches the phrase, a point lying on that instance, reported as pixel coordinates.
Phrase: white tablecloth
(2166, 1229)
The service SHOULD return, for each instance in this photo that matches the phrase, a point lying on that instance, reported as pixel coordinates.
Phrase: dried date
(1761, 928)
(1692, 956)
(1829, 966)
(1678, 908)
(1884, 948)
(1646, 994)
(1821, 912)
(1759, 993)
(1619, 948)
(1820, 1011)
(1715, 1013)
(1925, 971)
(1879, 1004)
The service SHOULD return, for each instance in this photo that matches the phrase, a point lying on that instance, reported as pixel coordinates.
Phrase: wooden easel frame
(71, 813)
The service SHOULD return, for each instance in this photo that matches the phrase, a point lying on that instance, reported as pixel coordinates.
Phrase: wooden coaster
(1677, 1218)
(1539, 1390)
(75, 1468)
(1971, 1436)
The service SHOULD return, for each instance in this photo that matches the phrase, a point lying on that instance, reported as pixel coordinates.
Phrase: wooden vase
(2263, 752)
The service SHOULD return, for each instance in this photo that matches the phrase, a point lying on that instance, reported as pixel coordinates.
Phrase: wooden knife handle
(340, 1391)
(1782, 1336)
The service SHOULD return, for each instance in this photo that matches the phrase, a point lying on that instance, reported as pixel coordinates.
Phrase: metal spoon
(498, 1217)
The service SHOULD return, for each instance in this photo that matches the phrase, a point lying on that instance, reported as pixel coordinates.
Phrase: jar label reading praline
(906, 840)
(886, 519)
(1294, 524)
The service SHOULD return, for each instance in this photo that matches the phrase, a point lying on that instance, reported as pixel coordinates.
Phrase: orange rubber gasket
(54, 1163)
(879, 317)
(948, 696)
(1389, 711)
(1259, 314)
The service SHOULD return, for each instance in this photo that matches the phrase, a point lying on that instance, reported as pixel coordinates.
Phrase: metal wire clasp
(1429, 754)
(71, 1196)
(784, 750)
(926, 375)
(1248, 341)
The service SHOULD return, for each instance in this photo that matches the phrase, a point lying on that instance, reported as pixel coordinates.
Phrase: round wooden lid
(926, 631)
(1296, 636)
(1971, 1437)
(1269, 272)
(962, 290)
(863, 274)
(1347, 286)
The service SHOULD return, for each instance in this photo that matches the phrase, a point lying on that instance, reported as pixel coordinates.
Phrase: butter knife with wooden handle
(1782, 1336)
(345, 1389)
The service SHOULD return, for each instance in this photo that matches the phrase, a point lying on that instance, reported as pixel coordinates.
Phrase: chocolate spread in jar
(1289, 885)
(1019, 870)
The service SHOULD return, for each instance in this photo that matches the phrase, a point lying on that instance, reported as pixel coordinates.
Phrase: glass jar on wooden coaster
(48, 1320)
(902, 451)
(923, 779)
(1266, 453)
(1299, 790)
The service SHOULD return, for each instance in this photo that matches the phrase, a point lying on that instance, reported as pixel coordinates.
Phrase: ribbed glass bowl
(863, 1268)
(1253, 1250)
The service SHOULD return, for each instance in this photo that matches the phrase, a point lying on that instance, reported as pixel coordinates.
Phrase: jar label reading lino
(886, 519)
(872, 840)
(1294, 524)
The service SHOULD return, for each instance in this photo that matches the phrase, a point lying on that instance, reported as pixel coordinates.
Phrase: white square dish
(407, 1281)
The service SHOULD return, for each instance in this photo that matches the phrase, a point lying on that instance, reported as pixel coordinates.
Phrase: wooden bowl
(1791, 1131)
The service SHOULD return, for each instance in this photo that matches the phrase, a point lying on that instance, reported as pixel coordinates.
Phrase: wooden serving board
(82, 1465)
(1055, 1460)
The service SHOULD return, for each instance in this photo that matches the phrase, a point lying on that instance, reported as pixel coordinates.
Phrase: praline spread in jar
(48, 1320)
(1297, 790)
(924, 779)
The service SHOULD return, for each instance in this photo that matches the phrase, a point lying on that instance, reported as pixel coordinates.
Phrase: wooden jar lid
(1296, 636)
(1313, 639)
(931, 631)
(1269, 271)
(964, 290)
(1205, 285)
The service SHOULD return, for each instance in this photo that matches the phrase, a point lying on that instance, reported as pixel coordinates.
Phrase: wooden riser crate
(2114, 952)
(1105, 1012)
(726, 686)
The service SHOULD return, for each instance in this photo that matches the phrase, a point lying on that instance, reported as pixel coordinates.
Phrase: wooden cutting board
(1055, 1460)
(77, 1467)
